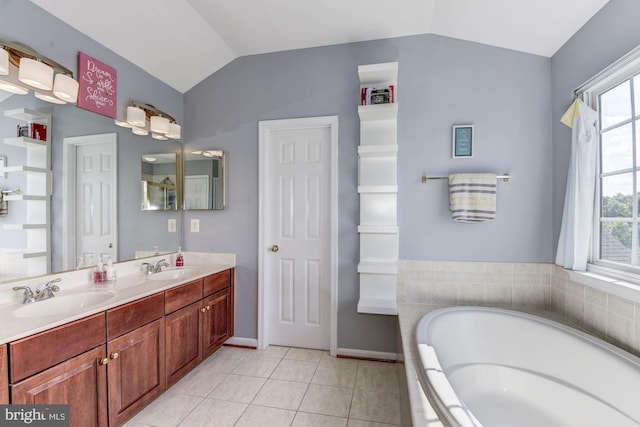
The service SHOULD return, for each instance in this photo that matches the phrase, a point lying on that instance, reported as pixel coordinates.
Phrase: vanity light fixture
(21, 67)
(144, 119)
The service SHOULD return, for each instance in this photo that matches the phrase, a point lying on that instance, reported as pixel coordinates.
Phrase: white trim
(245, 342)
(265, 127)
(69, 193)
(367, 354)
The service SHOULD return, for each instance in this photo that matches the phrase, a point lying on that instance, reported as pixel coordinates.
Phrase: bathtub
(492, 367)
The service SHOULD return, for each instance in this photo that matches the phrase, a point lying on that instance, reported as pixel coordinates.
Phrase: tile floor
(279, 386)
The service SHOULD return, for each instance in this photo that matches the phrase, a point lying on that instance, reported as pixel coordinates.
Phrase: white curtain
(577, 218)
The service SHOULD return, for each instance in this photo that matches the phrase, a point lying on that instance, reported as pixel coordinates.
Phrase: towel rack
(425, 179)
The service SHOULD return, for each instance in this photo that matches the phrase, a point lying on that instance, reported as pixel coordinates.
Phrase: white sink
(63, 304)
(171, 274)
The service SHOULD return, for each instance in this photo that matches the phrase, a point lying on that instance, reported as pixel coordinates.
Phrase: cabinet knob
(114, 355)
(104, 361)
(208, 307)
(275, 248)
(203, 309)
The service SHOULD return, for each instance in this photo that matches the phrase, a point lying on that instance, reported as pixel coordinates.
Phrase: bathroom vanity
(110, 361)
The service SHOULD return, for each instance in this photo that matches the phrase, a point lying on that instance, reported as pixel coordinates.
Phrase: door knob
(275, 248)
(110, 245)
(114, 355)
(104, 361)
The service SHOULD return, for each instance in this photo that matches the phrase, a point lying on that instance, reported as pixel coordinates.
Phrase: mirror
(204, 172)
(138, 233)
(160, 182)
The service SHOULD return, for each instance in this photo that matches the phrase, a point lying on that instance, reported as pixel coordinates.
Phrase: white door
(90, 219)
(196, 192)
(298, 275)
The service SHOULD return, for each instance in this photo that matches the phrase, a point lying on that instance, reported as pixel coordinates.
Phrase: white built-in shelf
(378, 267)
(23, 168)
(379, 229)
(24, 226)
(376, 73)
(27, 115)
(378, 112)
(390, 150)
(378, 189)
(377, 306)
(27, 197)
(24, 142)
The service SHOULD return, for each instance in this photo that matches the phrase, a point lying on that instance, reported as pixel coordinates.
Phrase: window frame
(619, 72)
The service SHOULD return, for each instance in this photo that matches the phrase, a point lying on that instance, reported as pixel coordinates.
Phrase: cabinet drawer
(128, 317)
(41, 351)
(182, 296)
(217, 281)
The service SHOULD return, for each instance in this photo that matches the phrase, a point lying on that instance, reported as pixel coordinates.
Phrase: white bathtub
(492, 367)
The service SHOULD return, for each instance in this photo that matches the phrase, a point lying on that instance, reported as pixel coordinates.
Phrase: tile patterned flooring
(279, 386)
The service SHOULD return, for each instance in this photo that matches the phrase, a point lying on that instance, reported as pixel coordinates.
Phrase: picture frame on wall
(462, 141)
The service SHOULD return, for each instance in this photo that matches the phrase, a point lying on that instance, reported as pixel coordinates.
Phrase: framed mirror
(160, 189)
(204, 176)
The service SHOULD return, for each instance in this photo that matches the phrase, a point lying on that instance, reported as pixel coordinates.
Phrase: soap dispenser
(179, 258)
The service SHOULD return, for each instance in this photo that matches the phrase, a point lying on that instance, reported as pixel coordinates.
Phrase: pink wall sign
(98, 86)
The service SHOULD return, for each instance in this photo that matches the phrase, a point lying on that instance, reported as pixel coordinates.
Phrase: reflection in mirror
(204, 172)
(160, 187)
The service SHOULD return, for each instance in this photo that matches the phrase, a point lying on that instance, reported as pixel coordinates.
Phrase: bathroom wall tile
(443, 293)
(559, 283)
(595, 319)
(595, 296)
(327, 400)
(304, 419)
(214, 412)
(281, 394)
(576, 289)
(526, 268)
(620, 306)
(260, 416)
(499, 294)
(575, 309)
(530, 295)
(620, 330)
(471, 294)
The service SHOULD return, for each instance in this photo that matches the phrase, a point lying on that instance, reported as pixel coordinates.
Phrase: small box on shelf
(383, 93)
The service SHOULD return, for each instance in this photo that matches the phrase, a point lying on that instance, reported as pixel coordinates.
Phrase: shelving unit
(378, 189)
(35, 193)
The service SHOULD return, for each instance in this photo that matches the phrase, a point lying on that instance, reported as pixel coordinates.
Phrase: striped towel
(472, 197)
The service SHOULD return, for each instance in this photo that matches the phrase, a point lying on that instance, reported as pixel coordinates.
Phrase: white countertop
(131, 284)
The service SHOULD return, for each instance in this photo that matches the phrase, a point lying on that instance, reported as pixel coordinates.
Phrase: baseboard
(367, 354)
(242, 342)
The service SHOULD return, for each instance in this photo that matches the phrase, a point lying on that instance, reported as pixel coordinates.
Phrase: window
(615, 94)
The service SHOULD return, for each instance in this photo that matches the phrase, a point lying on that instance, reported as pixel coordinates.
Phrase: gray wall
(609, 35)
(441, 82)
(22, 21)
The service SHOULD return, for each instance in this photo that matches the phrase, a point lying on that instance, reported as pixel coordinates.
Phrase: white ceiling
(207, 34)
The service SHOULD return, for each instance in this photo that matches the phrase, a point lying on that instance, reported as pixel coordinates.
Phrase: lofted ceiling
(204, 35)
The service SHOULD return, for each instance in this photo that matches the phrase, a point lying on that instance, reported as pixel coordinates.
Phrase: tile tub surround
(576, 298)
(279, 386)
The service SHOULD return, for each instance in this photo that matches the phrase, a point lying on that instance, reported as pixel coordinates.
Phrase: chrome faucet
(46, 292)
(149, 269)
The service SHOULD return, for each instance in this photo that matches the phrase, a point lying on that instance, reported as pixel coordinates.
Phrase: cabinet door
(184, 343)
(80, 382)
(136, 370)
(217, 320)
(4, 376)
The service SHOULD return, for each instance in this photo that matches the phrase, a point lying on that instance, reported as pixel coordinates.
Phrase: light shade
(139, 131)
(136, 116)
(4, 62)
(158, 136)
(48, 97)
(174, 131)
(10, 82)
(35, 73)
(159, 124)
(65, 88)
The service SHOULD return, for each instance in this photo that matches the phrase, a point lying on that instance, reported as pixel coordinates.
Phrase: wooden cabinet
(136, 369)
(218, 307)
(4, 376)
(63, 365)
(80, 382)
(183, 324)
